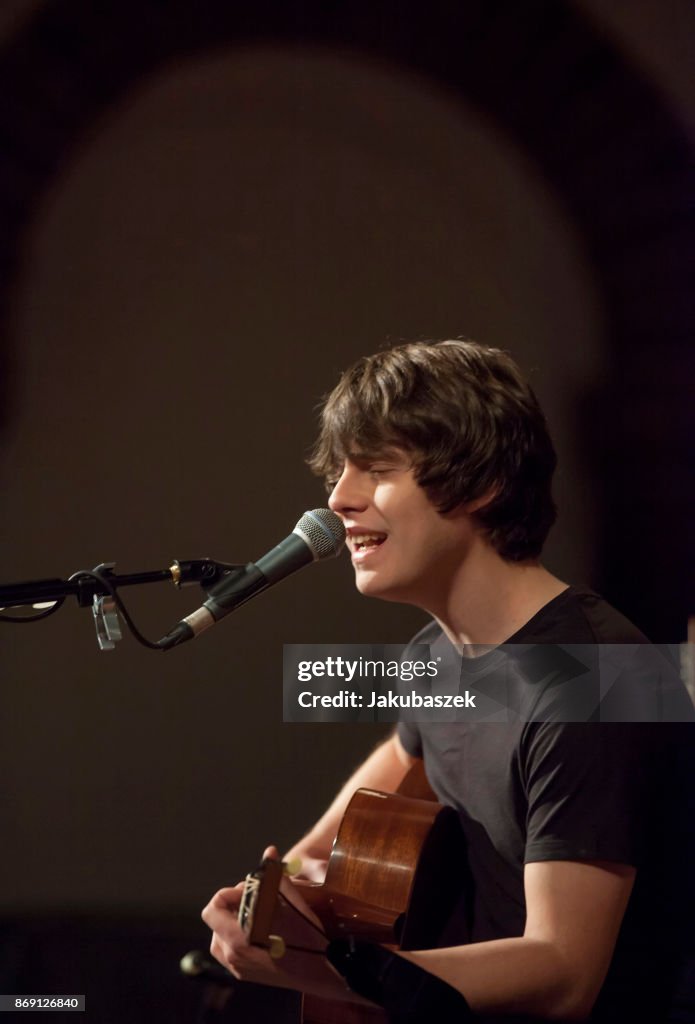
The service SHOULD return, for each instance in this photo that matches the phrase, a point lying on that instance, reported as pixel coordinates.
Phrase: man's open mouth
(365, 541)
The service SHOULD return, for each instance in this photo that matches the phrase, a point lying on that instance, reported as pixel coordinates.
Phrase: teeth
(361, 540)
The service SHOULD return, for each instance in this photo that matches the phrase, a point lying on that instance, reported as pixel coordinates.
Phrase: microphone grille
(323, 531)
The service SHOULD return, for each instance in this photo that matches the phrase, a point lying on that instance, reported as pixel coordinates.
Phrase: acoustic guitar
(396, 870)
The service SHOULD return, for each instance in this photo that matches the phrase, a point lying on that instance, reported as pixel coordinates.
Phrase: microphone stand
(250, 1002)
(218, 985)
(97, 587)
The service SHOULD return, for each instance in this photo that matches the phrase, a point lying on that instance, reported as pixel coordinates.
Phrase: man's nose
(349, 494)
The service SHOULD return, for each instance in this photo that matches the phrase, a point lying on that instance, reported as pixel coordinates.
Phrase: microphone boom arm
(319, 534)
(97, 587)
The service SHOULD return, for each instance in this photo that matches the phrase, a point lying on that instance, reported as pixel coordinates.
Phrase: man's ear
(477, 503)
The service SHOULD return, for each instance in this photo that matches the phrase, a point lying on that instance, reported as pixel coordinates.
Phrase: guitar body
(383, 881)
(396, 871)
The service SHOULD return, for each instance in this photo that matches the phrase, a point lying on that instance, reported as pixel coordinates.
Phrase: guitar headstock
(257, 906)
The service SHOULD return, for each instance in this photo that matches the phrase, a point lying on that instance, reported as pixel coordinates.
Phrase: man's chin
(371, 586)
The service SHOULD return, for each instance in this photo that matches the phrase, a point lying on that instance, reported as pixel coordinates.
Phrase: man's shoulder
(579, 616)
(576, 616)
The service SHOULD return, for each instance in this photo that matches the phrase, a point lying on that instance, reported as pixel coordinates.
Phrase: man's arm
(384, 769)
(556, 969)
(574, 911)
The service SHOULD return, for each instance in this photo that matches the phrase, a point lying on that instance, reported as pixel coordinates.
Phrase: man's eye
(379, 470)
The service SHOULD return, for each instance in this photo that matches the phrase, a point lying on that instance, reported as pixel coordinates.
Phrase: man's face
(402, 548)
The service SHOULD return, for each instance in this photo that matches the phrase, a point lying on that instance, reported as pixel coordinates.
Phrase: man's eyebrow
(389, 455)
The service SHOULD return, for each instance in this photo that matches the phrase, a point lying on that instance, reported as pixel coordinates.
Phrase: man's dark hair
(470, 424)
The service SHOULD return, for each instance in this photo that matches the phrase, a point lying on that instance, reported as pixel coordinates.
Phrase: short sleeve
(409, 735)
(589, 788)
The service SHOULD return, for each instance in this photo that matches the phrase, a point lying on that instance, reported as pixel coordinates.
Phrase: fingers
(220, 953)
(229, 945)
(220, 915)
(247, 963)
(225, 900)
(229, 941)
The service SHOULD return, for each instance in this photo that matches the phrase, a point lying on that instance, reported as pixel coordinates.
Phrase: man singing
(440, 466)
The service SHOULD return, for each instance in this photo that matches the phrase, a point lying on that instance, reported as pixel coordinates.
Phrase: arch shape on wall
(602, 135)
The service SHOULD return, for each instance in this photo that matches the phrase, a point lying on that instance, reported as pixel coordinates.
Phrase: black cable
(33, 618)
(111, 590)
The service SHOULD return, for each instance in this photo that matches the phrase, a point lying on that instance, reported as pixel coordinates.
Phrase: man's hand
(230, 945)
(298, 968)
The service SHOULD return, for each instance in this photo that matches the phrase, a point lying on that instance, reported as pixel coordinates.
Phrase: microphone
(319, 534)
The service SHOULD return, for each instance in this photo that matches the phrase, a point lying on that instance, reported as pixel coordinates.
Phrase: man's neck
(491, 599)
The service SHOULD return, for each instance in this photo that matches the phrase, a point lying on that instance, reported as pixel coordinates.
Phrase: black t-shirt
(534, 790)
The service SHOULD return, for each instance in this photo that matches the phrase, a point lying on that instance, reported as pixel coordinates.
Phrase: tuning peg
(276, 947)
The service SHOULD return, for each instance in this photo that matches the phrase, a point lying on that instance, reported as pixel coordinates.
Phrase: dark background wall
(204, 222)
